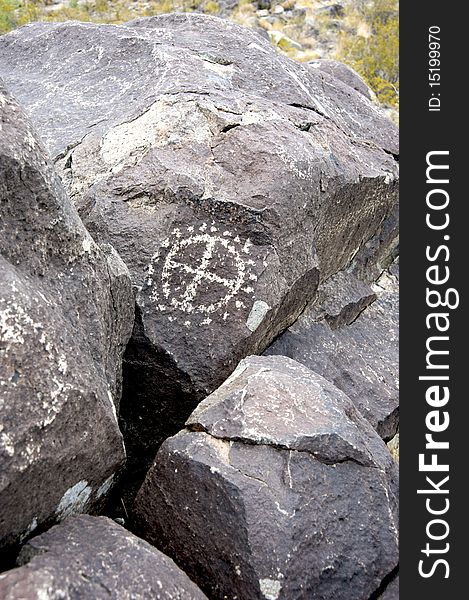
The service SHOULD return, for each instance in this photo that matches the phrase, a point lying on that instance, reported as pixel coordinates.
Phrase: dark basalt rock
(361, 359)
(278, 489)
(66, 313)
(343, 72)
(381, 252)
(228, 177)
(93, 558)
(340, 300)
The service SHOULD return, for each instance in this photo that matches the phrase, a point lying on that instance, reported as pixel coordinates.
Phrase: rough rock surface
(343, 72)
(340, 300)
(361, 359)
(278, 489)
(66, 313)
(380, 252)
(228, 177)
(93, 558)
(392, 590)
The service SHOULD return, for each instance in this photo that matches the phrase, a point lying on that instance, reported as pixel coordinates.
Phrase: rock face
(340, 300)
(66, 312)
(346, 74)
(278, 489)
(229, 178)
(361, 355)
(93, 558)
(381, 252)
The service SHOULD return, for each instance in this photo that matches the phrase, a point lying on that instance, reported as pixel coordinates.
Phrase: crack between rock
(365, 308)
(395, 156)
(67, 150)
(385, 582)
(199, 428)
(250, 476)
(113, 300)
(306, 107)
(229, 127)
(352, 139)
(96, 582)
(375, 146)
(325, 117)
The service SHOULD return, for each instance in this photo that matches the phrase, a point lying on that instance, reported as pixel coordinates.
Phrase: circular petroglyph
(201, 272)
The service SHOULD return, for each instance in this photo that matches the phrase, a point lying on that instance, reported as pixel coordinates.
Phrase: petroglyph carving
(200, 272)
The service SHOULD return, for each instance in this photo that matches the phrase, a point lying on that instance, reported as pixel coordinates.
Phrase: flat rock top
(274, 400)
(75, 77)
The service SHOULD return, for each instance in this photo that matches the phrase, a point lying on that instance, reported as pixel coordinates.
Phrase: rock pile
(278, 489)
(356, 347)
(211, 200)
(228, 178)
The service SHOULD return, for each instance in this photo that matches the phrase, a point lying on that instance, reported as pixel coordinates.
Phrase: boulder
(361, 355)
(93, 558)
(277, 489)
(66, 314)
(228, 177)
(343, 72)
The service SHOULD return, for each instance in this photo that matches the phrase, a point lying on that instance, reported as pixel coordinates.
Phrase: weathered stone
(361, 359)
(341, 299)
(343, 72)
(93, 558)
(394, 269)
(280, 489)
(380, 252)
(226, 175)
(66, 313)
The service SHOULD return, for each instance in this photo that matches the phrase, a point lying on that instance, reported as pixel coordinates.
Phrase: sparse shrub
(101, 6)
(212, 8)
(7, 15)
(370, 45)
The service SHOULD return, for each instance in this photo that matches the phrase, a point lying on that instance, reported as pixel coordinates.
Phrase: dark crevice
(199, 428)
(395, 156)
(306, 107)
(303, 126)
(230, 126)
(68, 162)
(95, 582)
(384, 583)
(156, 400)
(371, 144)
(68, 149)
